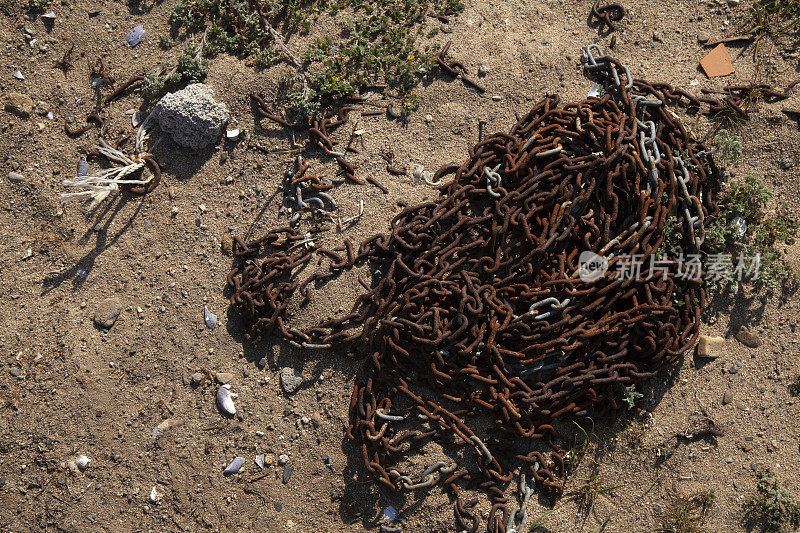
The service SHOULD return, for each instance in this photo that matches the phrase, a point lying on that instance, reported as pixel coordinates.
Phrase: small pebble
(748, 337)
(15, 177)
(727, 397)
(291, 379)
(703, 36)
(287, 473)
(283, 459)
(107, 312)
(223, 377)
(483, 70)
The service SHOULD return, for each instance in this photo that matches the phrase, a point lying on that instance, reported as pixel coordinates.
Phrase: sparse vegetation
(773, 20)
(772, 507)
(729, 147)
(686, 514)
(794, 386)
(190, 68)
(38, 6)
(379, 46)
(744, 228)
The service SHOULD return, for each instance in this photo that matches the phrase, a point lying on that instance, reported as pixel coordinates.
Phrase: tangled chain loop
(480, 333)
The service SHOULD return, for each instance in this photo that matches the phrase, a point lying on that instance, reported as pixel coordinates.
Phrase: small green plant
(190, 68)
(794, 386)
(686, 514)
(575, 455)
(37, 6)
(729, 147)
(631, 396)
(772, 507)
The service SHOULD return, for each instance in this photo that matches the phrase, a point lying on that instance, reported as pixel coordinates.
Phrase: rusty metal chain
(477, 331)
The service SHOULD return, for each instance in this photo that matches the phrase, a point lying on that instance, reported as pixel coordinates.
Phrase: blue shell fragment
(390, 514)
(135, 36)
(83, 167)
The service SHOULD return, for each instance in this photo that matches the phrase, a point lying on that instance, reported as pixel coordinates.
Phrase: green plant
(729, 146)
(794, 386)
(190, 68)
(686, 514)
(37, 6)
(772, 507)
(631, 396)
(575, 455)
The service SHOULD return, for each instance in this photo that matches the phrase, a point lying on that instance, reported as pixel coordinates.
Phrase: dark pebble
(287, 474)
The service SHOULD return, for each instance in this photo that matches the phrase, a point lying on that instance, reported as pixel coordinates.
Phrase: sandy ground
(69, 388)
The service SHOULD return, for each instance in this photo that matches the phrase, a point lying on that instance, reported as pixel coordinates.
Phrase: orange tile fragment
(717, 62)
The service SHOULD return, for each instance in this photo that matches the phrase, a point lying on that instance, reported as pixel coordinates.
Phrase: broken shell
(155, 496)
(225, 400)
(49, 17)
(82, 462)
(17, 74)
(83, 167)
(233, 135)
(260, 461)
(165, 425)
(135, 36)
(234, 467)
(210, 318)
(136, 119)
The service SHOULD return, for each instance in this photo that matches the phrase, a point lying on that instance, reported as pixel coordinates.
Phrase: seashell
(225, 400)
(739, 226)
(136, 119)
(210, 318)
(83, 167)
(82, 462)
(49, 17)
(164, 426)
(135, 36)
(155, 496)
(260, 461)
(17, 74)
(234, 467)
(233, 135)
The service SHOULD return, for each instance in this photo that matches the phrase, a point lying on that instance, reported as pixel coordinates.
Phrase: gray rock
(15, 372)
(223, 377)
(291, 379)
(748, 337)
(19, 104)
(197, 379)
(316, 420)
(483, 70)
(15, 177)
(703, 36)
(727, 397)
(107, 312)
(191, 116)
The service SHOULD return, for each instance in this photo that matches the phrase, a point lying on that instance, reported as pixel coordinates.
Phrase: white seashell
(225, 400)
(82, 462)
(232, 135)
(17, 74)
(234, 467)
(260, 461)
(49, 16)
(155, 496)
(210, 318)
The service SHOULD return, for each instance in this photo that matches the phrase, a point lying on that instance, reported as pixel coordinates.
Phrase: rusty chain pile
(480, 332)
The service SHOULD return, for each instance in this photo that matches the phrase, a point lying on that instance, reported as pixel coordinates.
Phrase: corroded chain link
(478, 333)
